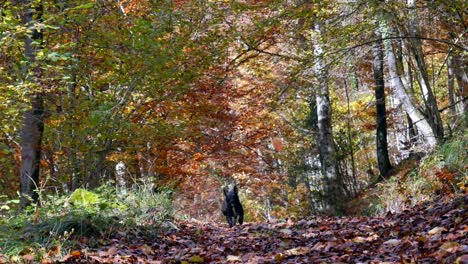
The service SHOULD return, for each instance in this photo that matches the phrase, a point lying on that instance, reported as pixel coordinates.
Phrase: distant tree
(33, 127)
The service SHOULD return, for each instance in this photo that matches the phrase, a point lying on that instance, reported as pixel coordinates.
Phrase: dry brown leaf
(112, 251)
(437, 230)
(297, 251)
(233, 258)
(147, 249)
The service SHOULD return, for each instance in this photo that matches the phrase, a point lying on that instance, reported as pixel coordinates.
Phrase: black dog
(232, 208)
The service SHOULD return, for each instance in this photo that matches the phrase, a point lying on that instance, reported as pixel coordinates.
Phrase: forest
(241, 131)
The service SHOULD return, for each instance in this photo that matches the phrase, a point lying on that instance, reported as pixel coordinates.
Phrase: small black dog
(232, 208)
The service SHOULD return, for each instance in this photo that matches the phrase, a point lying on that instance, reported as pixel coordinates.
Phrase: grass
(82, 219)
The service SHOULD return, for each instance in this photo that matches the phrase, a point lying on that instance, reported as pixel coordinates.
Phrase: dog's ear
(225, 191)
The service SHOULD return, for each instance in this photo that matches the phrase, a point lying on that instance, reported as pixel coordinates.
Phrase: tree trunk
(459, 70)
(451, 90)
(350, 139)
(432, 111)
(33, 126)
(31, 137)
(381, 117)
(333, 186)
(400, 93)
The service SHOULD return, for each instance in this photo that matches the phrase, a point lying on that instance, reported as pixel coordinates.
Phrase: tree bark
(332, 182)
(451, 90)
(400, 93)
(381, 117)
(432, 111)
(33, 126)
(459, 70)
(350, 140)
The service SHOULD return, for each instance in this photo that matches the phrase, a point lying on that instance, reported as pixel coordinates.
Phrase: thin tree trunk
(350, 139)
(333, 186)
(33, 126)
(459, 70)
(451, 90)
(381, 117)
(400, 93)
(433, 116)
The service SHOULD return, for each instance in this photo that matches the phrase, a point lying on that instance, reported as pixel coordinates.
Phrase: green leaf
(84, 6)
(16, 201)
(53, 56)
(84, 197)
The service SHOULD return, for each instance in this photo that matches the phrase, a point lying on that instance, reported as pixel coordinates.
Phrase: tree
(381, 117)
(415, 43)
(399, 89)
(333, 187)
(33, 127)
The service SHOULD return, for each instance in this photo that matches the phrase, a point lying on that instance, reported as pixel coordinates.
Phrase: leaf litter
(428, 233)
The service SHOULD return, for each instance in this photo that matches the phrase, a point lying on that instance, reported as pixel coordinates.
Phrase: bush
(85, 217)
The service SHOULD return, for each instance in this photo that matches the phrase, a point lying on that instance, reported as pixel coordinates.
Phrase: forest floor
(428, 233)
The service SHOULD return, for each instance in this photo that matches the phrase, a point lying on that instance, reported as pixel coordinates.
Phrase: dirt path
(429, 233)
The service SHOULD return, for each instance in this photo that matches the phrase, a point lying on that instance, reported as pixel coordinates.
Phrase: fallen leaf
(196, 259)
(392, 242)
(421, 239)
(462, 259)
(54, 251)
(112, 251)
(359, 239)
(297, 251)
(279, 257)
(450, 246)
(147, 249)
(437, 230)
(233, 258)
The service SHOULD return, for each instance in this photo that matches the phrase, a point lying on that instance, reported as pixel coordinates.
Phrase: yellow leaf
(279, 257)
(196, 259)
(449, 246)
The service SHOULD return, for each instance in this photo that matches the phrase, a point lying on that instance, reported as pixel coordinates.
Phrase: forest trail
(427, 233)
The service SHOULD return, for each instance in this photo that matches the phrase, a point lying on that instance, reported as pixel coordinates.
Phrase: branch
(409, 37)
(457, 102)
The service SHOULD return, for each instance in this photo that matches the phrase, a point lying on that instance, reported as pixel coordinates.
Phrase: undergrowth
(444, 172)
(81, 219)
